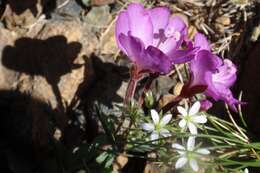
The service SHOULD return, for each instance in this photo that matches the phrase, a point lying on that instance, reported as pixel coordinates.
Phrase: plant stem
(241, 132)
(134, 77)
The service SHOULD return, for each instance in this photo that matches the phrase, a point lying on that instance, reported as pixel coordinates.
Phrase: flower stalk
(134, 78)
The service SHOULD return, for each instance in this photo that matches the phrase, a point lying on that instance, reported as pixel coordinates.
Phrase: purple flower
(151, 38)
(211, 75)
(205, 105)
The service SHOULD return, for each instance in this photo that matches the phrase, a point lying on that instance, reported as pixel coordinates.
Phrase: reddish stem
(134, 77)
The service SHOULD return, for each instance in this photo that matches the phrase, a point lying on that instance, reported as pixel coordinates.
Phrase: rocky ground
(58, 58)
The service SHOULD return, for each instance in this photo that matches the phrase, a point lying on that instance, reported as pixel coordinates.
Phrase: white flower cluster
(191, 118)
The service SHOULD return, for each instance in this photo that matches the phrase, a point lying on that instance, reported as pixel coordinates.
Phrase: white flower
(158, 126)
(191, 117)
(246, 171)
(189, 154)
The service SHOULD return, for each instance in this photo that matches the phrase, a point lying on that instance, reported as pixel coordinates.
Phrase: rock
(120, 161)
(109, 83)
(151, 168)
(73, 33)
(163, 84)
(71, 8)
(21, 14)
(108, 43)
(177, 88)
(89, 38)
(98, 17)
(102, 2)
(1, 25)
(122, 90)
(8, 77)
(51, 60)
(85, 2)
(165, 99)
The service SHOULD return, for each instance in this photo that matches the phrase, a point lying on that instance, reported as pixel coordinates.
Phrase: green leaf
(252, 163)
(86, 2)
(109, 161)
(102, 157)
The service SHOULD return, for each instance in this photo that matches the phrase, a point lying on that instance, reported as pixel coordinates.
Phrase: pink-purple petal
(151, 39)
(122, 27)
(226, 95)
(140, 23)
(201, 41)
(182, 56)
(159, 17)
(133, 46)
(178, 24)
(201, 68)
(205, 105)
(157, 61)
(226, 74)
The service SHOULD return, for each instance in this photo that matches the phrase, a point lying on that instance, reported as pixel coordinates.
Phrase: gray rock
(72, 8)
(98, 17)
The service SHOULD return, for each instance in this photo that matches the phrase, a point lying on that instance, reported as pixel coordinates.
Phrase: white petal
(165, 133)
(200, 119)
(181, 162)
(194, 165)
(154, 136)
(155, 116)
(182, 110)
(246, 171)
(183, 123)
(191, 143)
(203, 151)
(147, 126)
(194, 108)
(166, 119)
(192, 128)
(180, 148)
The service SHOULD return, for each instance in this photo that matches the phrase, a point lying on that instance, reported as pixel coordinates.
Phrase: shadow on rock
(33, 5)
(51, 58)
(105, 89)
(107, 82)
(25, 132)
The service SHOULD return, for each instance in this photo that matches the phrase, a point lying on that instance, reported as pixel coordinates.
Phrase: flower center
(188, 118)
(171, 33)
(158, 127)
(189, 155)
